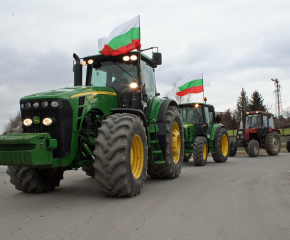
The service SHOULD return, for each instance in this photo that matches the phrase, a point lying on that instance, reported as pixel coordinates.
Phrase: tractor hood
(71, 92)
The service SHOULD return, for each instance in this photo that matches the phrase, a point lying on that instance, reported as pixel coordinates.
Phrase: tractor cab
(257, 124)
(131, 75)
(199, 115)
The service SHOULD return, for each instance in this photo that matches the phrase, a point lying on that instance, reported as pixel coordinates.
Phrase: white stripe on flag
(121, 29)
(189, 79)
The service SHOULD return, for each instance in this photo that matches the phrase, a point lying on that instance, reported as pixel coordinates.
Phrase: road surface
(245, 198)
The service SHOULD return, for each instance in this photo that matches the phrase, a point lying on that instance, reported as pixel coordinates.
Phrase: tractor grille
(61, 130)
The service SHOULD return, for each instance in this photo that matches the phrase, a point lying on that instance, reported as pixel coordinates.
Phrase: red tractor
(258, 132)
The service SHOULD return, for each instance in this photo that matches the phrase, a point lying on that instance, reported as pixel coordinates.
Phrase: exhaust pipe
(78, 73)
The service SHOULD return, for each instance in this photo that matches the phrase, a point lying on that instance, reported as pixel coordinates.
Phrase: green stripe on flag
(125, 39)
(195, 83)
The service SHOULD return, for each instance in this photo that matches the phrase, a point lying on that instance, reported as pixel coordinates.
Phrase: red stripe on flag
(108, 51)
(198, 89)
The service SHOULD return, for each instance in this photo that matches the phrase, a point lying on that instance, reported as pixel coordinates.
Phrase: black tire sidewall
(137, 129)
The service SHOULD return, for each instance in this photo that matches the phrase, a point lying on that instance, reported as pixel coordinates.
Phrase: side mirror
(157, 58)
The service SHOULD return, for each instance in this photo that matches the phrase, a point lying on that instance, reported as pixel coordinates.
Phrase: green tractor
(114, 126)
(203, 134)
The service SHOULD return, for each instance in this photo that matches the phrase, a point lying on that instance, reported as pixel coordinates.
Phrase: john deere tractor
(203, 134)
(113, 126)
(258, 132)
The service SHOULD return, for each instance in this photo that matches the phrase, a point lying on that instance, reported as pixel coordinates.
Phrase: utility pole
(278, 102)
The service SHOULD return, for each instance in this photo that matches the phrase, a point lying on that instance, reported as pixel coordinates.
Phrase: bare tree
(14, 125)
(228, 120)
(172, 95)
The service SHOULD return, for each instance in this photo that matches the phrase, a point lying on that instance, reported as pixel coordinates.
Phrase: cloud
(234, 43)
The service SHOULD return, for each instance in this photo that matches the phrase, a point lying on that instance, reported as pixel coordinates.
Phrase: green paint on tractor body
(76, 114)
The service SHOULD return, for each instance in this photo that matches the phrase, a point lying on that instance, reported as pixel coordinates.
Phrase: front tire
(187, 157)
(233, 150)
(200, 150)
(253, 148)
(288, 145)
(273, 143)
(221, 147)
(121, 155)
(34, 180)
(174, 147)
(89, 170)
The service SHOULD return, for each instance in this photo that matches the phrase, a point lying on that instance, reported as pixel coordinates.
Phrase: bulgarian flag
(192, 84)
(123, 39)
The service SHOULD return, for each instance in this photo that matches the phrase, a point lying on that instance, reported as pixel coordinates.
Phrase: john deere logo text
(36, 120)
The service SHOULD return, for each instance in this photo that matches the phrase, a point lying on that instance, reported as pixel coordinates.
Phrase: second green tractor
(203, 134)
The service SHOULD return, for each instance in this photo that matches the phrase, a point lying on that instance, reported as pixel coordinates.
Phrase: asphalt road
(245, 198)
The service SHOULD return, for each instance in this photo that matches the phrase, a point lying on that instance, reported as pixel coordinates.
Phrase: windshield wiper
(122, 69)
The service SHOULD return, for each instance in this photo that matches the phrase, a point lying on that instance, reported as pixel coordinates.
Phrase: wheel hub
(225, 145)
(275, 144)
(137, 156)
(175, 143)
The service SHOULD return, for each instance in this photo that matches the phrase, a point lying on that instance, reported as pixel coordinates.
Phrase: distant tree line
(233, 119)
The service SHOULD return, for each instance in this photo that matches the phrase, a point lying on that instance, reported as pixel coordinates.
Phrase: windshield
(253, 121)
(103, 74)
(192, 114)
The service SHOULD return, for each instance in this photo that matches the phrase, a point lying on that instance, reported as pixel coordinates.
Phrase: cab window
(148, 79)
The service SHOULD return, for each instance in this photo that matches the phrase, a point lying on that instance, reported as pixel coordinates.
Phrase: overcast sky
(235, 44)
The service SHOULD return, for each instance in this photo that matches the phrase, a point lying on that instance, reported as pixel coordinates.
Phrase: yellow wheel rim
(175, 143)
(225, 145)
(204, 152)
(137, 156)
(187, 154)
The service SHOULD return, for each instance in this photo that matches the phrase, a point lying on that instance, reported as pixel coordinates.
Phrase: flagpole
(203, 88)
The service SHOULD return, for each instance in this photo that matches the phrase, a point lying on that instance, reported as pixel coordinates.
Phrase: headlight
(22, 106)
(84, 63)
(27, 122)
(44, 104)
(90, 61)
(47, 121)
(126, 58)
(27, 105)
(54, 104)
(133, 57)
(35, 104)
(133, 85)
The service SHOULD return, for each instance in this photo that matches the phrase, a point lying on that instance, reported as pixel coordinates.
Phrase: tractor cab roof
(258, 112)
(100, 57)
(194, 104)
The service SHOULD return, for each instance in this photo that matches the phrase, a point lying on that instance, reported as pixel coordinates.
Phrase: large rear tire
(174, 147)
(121, 155)
(288, 145)
(253, 148)
(233, 150)
(200, 150)
(273, 143)
(187, 157)
(221, 147)
(35, 180)
(89, 170)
